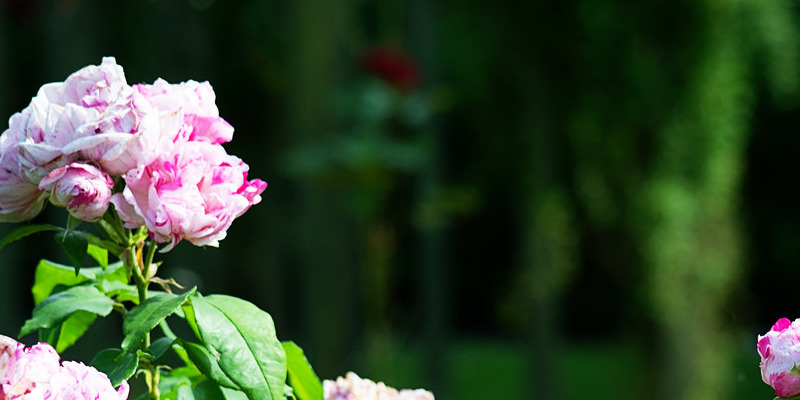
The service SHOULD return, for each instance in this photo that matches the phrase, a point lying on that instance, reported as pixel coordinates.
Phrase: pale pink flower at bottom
(352, 387)
(36, 373)
(780, 356)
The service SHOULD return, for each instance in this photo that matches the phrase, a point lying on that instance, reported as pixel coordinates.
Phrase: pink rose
(193, 194)
(125, 136)
(93, 116)
(63, 112)
(94, 86)
(780, 355)
(82, 189)
(36, 373)
(195, 105)
(20, 198)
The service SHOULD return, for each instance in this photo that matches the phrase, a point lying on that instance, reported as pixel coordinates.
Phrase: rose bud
(780, 354)
(83, 189)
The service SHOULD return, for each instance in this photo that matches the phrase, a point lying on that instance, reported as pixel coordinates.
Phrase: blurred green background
(522, 200)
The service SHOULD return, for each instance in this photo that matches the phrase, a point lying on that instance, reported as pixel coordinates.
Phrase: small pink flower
(83, 189)
(780, 356)
(193, 194)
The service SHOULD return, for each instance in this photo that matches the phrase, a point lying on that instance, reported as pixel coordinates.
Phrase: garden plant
(139, 169)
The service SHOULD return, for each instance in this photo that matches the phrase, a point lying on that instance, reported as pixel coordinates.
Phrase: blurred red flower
(393, 66)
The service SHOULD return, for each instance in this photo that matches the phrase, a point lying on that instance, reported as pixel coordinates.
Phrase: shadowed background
(525, 200)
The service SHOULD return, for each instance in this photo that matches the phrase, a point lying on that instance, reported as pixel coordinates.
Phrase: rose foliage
(146, 167)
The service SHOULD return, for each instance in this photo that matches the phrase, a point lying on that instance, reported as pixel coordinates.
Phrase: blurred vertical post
(548, 239)
(431, 268)
(325, 259)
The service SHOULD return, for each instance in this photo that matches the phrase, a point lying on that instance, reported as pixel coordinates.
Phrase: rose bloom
(20, 198)
(83, 189)
(194, 194)
(93, 116)
(194, 104)
(780, 355)
(65, 112)
(352, 387)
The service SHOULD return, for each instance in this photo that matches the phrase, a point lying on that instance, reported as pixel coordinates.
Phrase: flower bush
(145, 165)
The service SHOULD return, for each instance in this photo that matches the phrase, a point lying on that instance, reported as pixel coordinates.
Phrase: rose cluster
(37, 373)
(352, 387)
(780, 357)
(79, 137)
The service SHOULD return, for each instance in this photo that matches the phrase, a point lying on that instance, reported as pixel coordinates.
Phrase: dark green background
(607, 209)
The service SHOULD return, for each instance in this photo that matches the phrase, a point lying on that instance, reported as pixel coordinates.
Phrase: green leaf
(26, 230)
(175, 388)
(202, 388)
(159, 347)
(49, 275)
(208, 364)
(113, 247)
(58, 307)
(302, 378)
(232, 394)
(146, 316)
(242, 336)
(122, 291)
(63, 336)
(76, 245)
(209, 390)
(116, 365)
(99, 254)
(72, 223)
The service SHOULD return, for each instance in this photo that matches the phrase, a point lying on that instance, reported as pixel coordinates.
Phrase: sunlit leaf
(49, 275)
(58, 307)
(99, 254)
(143, 318)
(208, 364)
(62, 336)
(242, 336)
(302, 378)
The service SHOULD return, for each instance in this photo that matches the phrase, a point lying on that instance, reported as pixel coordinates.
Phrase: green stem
(148, 261)
(139, 274)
